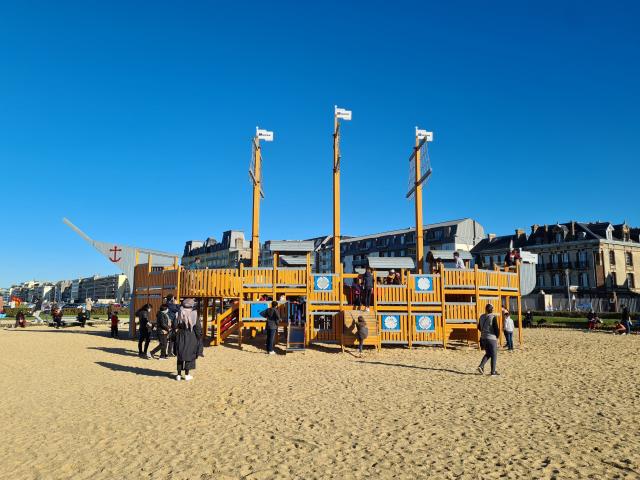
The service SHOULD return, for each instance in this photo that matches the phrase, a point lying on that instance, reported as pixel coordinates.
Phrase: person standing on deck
(367, 287)
(188, 333)
(356, 293)
(431, 261)
(508, 328)
(273, 320)
(144, 330)
(458, 261)
(489, 332)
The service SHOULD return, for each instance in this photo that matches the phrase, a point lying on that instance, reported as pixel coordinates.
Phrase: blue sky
(134, 119)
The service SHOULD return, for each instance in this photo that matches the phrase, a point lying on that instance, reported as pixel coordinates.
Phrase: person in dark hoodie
(173, 312)
(163, 326)
(362, 332)
(489, 333)
(367, 288)
(273, 320)
(82, 317)
(144, 330)
(188, 333)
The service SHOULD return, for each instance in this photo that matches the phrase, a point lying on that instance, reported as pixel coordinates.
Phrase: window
(584, 280)
(556, 280)
(630, 281)
(487, 260)
(628, 259)
(559, 237)
(565, 258)
(541, 280)
(614, 279)
(554, 258)
(612, 257)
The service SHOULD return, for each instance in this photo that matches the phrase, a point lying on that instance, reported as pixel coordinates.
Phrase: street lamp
(566, 275)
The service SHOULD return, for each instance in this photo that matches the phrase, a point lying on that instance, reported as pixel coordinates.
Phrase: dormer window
(559, 238)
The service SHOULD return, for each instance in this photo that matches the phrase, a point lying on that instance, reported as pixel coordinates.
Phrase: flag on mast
(265, 135)
(423, 134)
(342, 113)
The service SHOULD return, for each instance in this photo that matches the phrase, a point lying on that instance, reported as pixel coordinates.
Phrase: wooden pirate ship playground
(425, 309)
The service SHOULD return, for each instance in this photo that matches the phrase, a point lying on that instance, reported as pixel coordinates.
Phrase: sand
(78, 404)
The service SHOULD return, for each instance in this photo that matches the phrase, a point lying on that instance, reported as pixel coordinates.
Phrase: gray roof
(448, 254)
(405, 230)
(291, 245)
(295, 260)
(384, 263)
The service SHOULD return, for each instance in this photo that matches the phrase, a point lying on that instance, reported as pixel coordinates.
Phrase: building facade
(460, 235)
(228, 253)
(592, 258)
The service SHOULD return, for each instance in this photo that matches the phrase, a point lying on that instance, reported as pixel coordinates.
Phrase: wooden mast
(336, 194)
(257, 191)
(418, 201)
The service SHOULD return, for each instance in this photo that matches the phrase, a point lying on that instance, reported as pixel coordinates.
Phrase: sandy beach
(78, 404)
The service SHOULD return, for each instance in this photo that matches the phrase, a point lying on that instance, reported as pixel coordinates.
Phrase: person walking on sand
(489, 332)
(626, 319)
(114, 324)
(362, 332)
(162, 327)
(188, 332)
(144, 333)
(367, 287)
(273, 320)
(508, 327)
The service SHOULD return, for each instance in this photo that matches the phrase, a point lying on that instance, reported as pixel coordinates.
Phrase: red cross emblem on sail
(115, 258)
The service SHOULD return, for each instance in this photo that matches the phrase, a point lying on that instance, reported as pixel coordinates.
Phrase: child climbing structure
(424, 309)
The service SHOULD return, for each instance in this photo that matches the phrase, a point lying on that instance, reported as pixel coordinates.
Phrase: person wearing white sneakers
(188, 333)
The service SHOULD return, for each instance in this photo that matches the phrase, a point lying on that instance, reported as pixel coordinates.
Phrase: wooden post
(519, 304)
(336, 195)
(418, 200)
(257, 191)
(477, 284)
(205, 317)
(443, 305)
(307, 313)
(410, 323)
(274, 289)
(132, 300)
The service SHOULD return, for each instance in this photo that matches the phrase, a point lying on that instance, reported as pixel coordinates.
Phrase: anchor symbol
(115, 251)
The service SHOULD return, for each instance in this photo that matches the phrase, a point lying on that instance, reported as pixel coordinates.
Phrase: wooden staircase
(349, 329)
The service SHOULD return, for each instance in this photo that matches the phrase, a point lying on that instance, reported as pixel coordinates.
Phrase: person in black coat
(173, 312)
(273, 320)
(367, 287)
(188, 334)
(144, 332)
(163, 327)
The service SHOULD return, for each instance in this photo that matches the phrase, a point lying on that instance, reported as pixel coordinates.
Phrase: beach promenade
(78, 404)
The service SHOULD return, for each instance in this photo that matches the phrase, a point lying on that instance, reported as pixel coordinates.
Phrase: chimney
(492, 237)
(519, 232)
(546, 228)
(573, 228)
(534, 227)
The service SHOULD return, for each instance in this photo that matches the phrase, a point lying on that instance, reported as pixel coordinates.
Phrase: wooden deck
(426, 310)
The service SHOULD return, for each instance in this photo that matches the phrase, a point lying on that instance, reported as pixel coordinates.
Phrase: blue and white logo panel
(425, 324)
(322, 283)
(424, 283)
(390, 323)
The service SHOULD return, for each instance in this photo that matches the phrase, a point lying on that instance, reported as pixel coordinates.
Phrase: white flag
(424, 134)
(265, 135)
(343, 113)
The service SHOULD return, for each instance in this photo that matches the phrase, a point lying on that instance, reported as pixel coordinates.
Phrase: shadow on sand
(447, 370)
(116, 351)
(135, 370)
